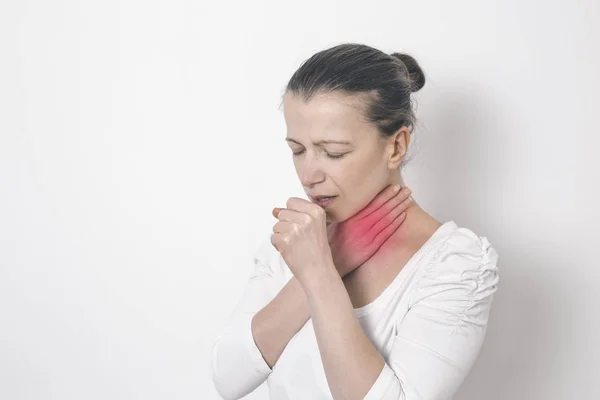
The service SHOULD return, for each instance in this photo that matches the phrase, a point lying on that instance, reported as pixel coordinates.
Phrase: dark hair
(384, 81)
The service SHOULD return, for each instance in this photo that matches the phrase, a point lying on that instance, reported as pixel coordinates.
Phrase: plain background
(142, 150)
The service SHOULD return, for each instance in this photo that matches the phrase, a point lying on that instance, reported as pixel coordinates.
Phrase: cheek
(359, 188)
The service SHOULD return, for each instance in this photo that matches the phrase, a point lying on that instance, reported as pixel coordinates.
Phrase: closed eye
(328, 154)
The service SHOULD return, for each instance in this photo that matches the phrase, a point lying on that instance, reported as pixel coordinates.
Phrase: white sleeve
(439, 338)
(237, 364)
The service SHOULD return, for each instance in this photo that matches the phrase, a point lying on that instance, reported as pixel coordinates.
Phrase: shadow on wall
(518, 350)
(465, 160)
(468, 152)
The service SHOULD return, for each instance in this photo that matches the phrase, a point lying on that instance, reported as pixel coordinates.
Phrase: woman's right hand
(356, 239)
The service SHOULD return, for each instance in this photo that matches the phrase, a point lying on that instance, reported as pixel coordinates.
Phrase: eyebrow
(320, 141)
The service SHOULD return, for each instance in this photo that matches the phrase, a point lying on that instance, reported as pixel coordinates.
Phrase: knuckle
(306, 219)
(296, 228)
(318, 212)
(293, 202)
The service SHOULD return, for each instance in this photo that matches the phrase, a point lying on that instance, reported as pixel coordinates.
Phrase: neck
(416, 228)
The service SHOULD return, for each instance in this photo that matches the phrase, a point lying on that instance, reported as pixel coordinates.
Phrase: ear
(397, 147)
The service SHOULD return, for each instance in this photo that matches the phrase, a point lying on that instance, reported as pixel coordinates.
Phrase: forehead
(325, 113)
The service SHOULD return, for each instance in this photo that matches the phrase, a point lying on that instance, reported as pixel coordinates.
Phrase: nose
(309, 173)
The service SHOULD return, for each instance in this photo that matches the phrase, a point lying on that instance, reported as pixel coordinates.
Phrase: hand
(355, 240)
(300, 236)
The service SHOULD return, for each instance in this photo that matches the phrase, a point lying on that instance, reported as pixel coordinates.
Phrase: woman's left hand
(300, 236)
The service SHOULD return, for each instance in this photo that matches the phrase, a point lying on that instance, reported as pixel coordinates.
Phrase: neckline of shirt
(443, 230)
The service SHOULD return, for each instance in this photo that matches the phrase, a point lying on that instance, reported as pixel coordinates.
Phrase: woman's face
(367, 162)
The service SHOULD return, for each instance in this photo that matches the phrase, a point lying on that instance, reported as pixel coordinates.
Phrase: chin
(335, 218)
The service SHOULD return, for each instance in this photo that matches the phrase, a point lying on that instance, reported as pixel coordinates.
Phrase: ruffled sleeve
(439, 338)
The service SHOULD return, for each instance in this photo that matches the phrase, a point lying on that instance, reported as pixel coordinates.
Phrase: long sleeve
(439, 338)
(237, 364)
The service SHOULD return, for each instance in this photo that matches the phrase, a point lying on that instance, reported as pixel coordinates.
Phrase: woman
(361, 294)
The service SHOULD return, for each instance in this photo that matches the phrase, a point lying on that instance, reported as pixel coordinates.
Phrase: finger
(404, 204)
(390, 216)
(382, 217)
(389, 230)
(302, 205)
(279, 241)
(379, 200)
(276, 211)
(275, 241)
(307, 208)
(398, 199)
(292, 216)
(283, 227)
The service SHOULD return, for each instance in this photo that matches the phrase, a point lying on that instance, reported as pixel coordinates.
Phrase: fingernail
(396, 188)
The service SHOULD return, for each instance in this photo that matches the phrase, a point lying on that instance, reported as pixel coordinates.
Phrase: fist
(300, 236)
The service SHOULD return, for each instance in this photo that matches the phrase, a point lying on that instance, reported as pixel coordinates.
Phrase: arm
(436, 343)
(350, 360)
(275, 325)
(257, 331)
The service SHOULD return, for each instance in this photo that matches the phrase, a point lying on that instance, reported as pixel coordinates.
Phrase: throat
(396, 251)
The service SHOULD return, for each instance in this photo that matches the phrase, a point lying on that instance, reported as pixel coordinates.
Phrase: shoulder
(463, 243)
(463, 260)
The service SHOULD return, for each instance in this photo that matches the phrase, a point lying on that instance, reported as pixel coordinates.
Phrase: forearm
(275, 324)
(351, 362)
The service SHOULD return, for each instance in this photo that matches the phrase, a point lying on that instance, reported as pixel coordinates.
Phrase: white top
(428, 324)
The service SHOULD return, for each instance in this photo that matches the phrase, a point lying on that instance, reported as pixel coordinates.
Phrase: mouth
(323, 201)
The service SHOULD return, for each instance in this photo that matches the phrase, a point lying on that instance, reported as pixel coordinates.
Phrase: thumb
(276, 211)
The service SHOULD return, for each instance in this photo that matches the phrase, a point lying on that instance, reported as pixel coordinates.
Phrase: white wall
(142, 149)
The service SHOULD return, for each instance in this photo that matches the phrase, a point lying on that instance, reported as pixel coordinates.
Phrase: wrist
(340, 266)
(320, 278)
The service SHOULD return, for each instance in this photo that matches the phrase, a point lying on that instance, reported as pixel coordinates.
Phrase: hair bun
(413, 71)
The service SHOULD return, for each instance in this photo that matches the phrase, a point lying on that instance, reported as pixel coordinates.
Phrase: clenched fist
(300, 236)
(350, 243)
